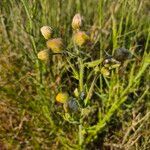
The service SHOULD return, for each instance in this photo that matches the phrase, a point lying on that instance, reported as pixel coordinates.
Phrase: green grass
(113, 112)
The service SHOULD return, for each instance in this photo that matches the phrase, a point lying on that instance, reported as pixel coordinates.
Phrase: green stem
(81, 137)
(81, 73)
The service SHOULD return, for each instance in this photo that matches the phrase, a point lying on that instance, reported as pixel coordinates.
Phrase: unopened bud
(43, 55)
(77, 22)
(80, 38)
(56, 45)
(105, 72)
(46, 32)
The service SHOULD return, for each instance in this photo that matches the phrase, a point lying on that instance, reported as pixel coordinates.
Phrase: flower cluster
(80, 38)
(53, 44)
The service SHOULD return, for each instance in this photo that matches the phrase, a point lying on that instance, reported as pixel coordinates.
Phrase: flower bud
(80, 38)
(122, 54)
(56, 45)
(76, 92)
(43, 55)
(77, 21)
(105, 72)
(73, 105)
(62, 97)
(46, 32)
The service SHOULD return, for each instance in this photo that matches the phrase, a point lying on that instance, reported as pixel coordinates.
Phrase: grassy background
(118, 110)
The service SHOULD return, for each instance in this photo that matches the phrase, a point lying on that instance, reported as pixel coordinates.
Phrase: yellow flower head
(80, 38)
(62, 97)
(43, 55)
(77, 21)
(46, 32)
(56, 45)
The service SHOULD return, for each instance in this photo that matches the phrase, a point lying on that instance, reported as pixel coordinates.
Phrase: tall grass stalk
(26, 7)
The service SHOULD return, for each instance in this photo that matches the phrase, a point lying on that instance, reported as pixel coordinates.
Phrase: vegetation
(74, 74)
